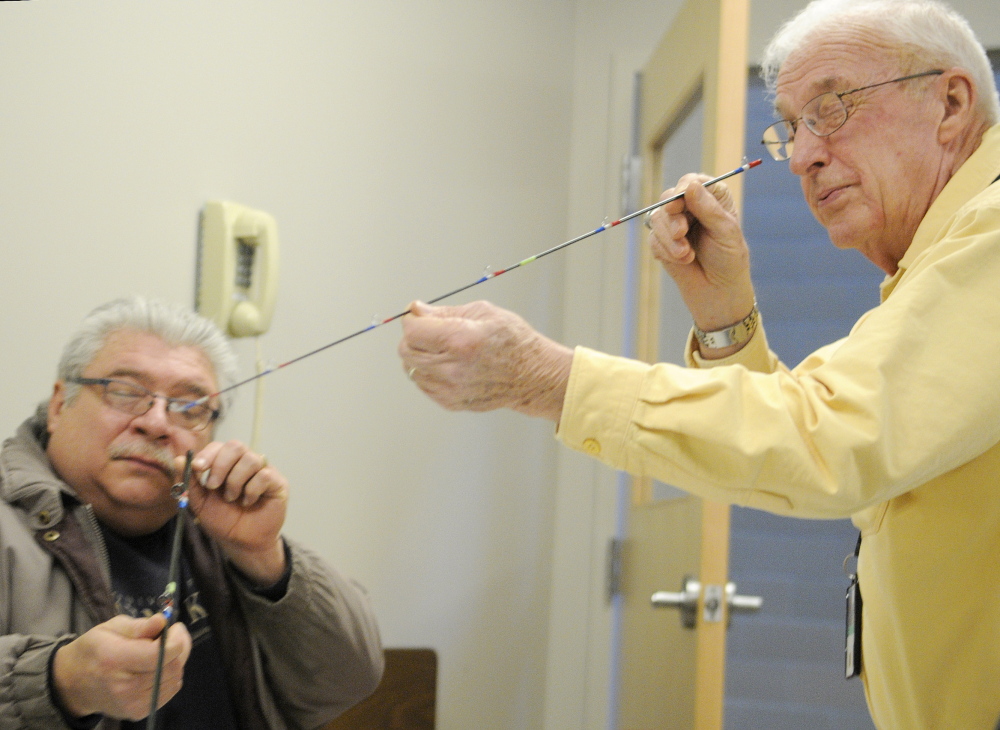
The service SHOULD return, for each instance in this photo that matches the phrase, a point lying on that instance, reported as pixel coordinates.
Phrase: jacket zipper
(97, 537)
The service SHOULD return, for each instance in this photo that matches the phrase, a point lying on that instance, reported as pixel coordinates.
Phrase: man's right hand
(110, 669)
(698, 240)
(479, 357)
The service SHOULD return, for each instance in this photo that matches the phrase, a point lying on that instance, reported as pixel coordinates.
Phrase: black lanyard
(852, 644)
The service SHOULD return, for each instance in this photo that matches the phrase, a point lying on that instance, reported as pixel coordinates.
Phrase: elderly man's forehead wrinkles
(828, 83)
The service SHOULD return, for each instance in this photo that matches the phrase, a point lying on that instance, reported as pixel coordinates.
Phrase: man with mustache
(269, 636)
(889, 116)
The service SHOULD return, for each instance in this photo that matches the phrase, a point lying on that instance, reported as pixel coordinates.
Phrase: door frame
(720, 71)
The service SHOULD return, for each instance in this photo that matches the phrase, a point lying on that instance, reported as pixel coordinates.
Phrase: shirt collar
(974, 176)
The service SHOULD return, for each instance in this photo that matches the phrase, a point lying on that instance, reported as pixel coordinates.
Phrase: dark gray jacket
(292, 663)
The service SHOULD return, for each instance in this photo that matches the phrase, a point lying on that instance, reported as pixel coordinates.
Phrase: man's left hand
(241, 501)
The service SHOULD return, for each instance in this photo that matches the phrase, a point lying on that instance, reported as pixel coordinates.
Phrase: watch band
(734, 334)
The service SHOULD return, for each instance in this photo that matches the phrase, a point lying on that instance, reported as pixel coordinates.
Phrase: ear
(960, 97)
(56, 404)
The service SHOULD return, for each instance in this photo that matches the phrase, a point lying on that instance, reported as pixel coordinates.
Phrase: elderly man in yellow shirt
(889, 116)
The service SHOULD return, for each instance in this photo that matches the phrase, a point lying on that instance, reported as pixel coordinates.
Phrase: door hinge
(630, 183)
(614, 571)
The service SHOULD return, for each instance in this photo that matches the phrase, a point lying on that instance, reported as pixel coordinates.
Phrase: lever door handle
(744, 604)
(687, 601)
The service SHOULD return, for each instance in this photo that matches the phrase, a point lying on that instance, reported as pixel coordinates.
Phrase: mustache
(162, 457)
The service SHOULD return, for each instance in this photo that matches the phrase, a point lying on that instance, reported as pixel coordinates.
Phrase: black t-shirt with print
(139, 571)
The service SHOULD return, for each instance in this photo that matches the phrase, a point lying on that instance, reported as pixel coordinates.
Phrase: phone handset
(237, 268)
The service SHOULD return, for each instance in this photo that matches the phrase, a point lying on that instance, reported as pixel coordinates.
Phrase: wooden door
(672, 677)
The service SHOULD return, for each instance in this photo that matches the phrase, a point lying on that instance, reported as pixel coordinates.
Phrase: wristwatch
(734, 334)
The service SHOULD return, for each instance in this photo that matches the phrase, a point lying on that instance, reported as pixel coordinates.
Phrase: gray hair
(928, 33)
(176, 326)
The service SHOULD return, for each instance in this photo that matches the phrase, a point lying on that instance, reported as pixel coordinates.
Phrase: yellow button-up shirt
(897, 426)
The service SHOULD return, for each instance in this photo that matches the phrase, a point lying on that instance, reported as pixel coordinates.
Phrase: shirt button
(50, 536)
(592, 446)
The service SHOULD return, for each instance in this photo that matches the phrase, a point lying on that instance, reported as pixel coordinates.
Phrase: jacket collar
(27, 479)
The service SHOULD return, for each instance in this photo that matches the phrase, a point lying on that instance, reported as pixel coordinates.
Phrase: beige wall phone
(237, 268)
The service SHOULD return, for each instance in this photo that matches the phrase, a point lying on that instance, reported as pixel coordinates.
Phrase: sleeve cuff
(600, 397)
(89, 722)
(755, 355)
(277, 591)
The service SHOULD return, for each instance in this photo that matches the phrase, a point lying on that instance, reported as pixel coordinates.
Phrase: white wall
(402, 147)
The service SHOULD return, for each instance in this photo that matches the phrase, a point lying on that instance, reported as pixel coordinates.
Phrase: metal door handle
(687, 601)
(746, 604)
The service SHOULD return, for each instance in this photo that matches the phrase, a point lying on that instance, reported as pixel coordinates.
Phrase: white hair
(928, 34)
(176, 326)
